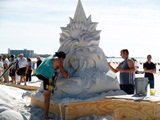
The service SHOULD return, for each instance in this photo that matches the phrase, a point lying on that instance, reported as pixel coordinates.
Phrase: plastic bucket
(141, 84)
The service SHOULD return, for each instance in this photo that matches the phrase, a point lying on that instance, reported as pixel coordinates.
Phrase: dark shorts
(21, 71)
(129, 89)
(12, 72)
(46, 82)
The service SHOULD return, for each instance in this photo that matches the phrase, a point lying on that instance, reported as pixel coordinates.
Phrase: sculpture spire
(79, 15)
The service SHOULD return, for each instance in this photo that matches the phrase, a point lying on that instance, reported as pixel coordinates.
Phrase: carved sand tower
(85, 61)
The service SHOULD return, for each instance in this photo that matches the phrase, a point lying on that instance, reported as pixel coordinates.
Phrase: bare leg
(24, 78)
(13, 80)
(6, 77)
(21, 77)
(47, 95)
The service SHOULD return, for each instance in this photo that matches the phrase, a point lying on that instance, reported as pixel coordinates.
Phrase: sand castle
(85, 60)
(90, 77)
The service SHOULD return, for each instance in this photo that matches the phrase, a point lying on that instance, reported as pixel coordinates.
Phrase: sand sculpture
(85, 61)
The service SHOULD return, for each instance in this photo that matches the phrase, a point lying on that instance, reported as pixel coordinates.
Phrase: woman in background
(12, 70)
(29, 70)
(39, 61)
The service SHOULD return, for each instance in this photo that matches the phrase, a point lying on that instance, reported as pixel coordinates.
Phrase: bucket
(141, 84)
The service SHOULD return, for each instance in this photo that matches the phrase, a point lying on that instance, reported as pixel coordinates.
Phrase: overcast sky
(35, 24)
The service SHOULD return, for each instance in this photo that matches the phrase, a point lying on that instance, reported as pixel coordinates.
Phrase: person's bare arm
(131, 67)
(150, 71)
(63, 71)
(58, 64)
(113, 69)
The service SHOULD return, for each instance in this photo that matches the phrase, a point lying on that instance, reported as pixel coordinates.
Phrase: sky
(36, 25)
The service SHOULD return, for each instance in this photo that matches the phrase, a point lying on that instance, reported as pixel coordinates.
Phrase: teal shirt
(46, 68)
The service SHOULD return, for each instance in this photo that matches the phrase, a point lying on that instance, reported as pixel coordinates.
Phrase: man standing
(22, 68)
(6, 65)
(149, 68)
(1, 69)
(127, 72)
(12, 70)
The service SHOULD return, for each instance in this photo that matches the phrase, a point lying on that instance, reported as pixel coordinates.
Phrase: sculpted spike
(71, 20)
(89, 19)
(79, 15)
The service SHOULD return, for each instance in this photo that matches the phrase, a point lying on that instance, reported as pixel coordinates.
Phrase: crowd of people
(17, 69)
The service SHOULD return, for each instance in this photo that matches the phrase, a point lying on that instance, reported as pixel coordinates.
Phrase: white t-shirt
(6, 61)
(22, 62)
(1, 65)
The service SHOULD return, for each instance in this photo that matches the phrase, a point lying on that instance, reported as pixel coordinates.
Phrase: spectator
(1, 68)
(22, 68)
(12, 71)
(136, 65)
(149, 68)
(6, 70)
(38, 61)
(29, 70)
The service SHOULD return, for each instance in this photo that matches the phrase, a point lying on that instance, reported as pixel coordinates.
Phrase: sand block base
(121, 108)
